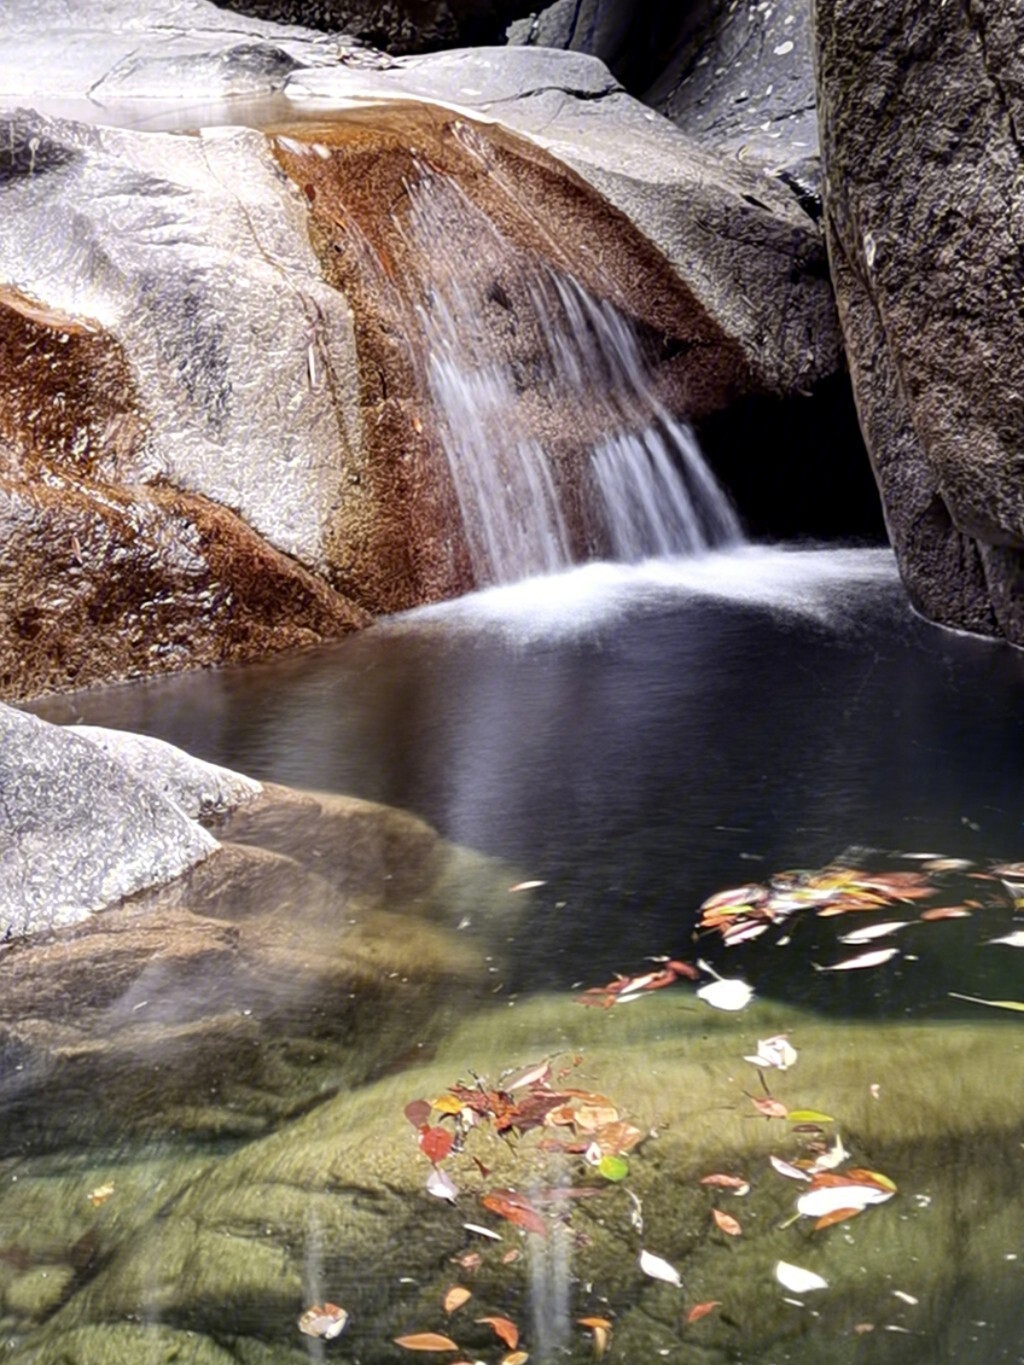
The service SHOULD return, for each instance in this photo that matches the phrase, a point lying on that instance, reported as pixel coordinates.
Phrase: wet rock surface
(921, 119)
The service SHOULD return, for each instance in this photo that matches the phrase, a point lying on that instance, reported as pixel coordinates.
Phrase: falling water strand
(576, 376)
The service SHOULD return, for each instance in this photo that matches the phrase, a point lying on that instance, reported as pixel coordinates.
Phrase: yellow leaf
(446, 1104)
(809, 1116)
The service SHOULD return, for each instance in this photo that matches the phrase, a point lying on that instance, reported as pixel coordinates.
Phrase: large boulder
(78, 830)
(921, 110)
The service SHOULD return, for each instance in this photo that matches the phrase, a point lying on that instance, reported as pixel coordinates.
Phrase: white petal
(441, 1186)
(658, 1269)
(790, 1172)
(726, 994)
(1014, 940)
(818, 1203)
(796, 1279)
(873, 931)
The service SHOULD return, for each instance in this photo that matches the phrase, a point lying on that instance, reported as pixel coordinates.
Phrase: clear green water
(235, 1060)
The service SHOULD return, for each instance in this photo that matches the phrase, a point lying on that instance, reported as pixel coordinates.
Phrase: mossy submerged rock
(342, 1190)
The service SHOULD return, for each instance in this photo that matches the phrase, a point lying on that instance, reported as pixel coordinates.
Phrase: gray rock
(202, 790)
(922, 112)
(77, 831)
(736, 76)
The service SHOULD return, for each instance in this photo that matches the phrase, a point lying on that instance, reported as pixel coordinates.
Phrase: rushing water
(646, 488)
(632, 738)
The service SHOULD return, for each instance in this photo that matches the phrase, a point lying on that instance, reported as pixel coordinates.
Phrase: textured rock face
(737, 240)
(396, 26)
(78, 831)
(922, 118)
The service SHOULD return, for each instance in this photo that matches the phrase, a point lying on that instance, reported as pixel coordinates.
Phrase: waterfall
(558, 446)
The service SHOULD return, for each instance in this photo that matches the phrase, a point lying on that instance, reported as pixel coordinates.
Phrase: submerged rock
(921, 111)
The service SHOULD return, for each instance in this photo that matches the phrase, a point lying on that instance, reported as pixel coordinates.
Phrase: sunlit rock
(921, 112)
(77, 831)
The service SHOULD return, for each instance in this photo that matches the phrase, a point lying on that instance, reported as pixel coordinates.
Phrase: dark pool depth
(647, 741)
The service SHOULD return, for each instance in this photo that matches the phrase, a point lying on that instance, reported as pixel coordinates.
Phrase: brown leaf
(836, 1216)
(595, 1322)
(505, 1329)
(455, 1298)
(945, 912)
(771, 1109)
(426, 1341)
(469, 1260)
(726, 1223)
(511, 1255)
(618, 1137)
(417, 1112)
(516, 1358)
(725, 1182)
(701, 1310)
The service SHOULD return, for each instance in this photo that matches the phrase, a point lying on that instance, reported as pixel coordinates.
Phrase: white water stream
(645, 487)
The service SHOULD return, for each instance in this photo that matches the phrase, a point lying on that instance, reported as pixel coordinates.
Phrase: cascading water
(524, 364)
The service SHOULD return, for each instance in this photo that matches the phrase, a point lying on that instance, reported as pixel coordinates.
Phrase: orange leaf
(726, 1223)
(426, 1341)
(517, 1210)
(701, 1310)
(455, 1298)
(511, 1255)
(504, 1328)
(595, 1322)
(618, 1137)
(836, 1216)
(771, 1109)
(725, 1182)
(516, 1358)
(945, 912)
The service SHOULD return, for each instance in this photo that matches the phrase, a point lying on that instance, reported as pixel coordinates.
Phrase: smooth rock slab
(77, 830)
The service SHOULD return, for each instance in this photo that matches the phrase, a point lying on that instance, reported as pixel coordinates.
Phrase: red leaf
(504, 1328)
(435, 1143)
(701, 1310)
(507, 1204)
(836, 1216)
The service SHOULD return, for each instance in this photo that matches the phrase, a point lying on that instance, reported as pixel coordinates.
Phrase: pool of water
(630, 739)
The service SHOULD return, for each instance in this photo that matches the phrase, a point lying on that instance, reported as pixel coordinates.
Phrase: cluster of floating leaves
(922, 888)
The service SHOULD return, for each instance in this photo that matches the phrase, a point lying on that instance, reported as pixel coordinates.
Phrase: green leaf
(613, 1167)
(1017, 1005)
(809, 1116)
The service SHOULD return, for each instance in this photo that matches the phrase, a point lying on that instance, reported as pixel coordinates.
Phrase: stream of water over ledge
(577, 763)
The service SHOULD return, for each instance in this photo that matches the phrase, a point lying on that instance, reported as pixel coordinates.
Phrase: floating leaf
(516, 1209)
(873, 931)
(659, 1269)
(775, 1052)
(816, 1203)
(595, 1322)
(994, 1004)
(1014, 940)
(613, 1168)
(809, 1116)
(770, 1108)
(417, 1112)
(456, 1296)
(426, 1341)
(836, 1216)
(945, 912)
(441, 1186)
(726, 1182)
(527, 886)
(726, 994)
(616, 1138)
(726, 1223)
(435, 1143)
(539, 1074)
(789, 1171)
(796, 1279)
(446, 1104)
(511, 1255)
(482, 1231)
(516, 1358)
(852, 964)
(505, 1329)
(100, 1195)
(831, 1158)
(323, 1320)
(701, 1310)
